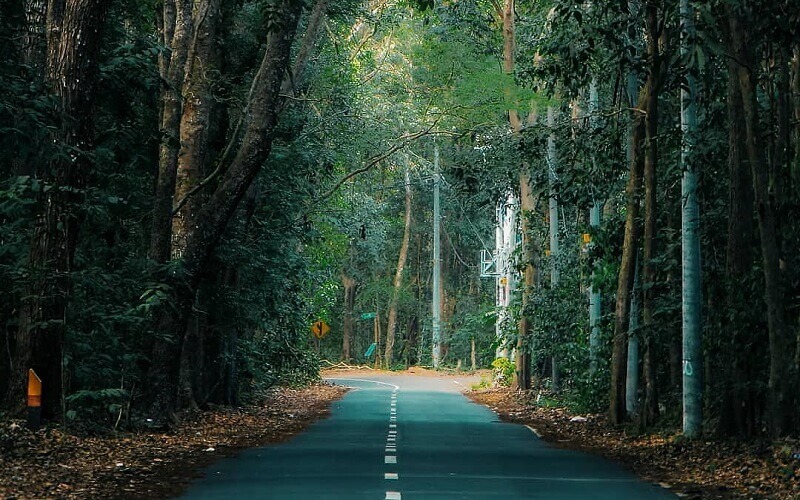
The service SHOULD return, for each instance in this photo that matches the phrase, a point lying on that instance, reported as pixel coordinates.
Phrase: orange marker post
(34, 400)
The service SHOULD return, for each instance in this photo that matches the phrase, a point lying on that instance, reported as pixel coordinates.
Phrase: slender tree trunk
(738, 399)
(649, 411)
(391, 325)
(595, 299)
(176, 30)
(555, 274)
(632, 378)
(692, 273)
(795, 167)
(316, 21)
(619, 353)
(522, 375)
(349, 285)
(781, 385)
(74, 30)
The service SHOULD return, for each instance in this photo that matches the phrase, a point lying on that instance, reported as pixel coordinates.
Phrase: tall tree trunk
(522, 375)
(316, 21)
(595, 299)
(176, 30)
(690, 217)
(632, 375)
(74, 29)
(555, 274)
(194, 124)
(649, 411)
(391, 325)
(781, 385)
(261, 117)
(738, 398)
(619, 354)
(349, 285)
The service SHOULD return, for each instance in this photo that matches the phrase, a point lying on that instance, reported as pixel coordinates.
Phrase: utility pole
(437, 262)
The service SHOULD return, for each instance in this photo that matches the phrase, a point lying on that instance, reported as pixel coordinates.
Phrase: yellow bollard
(34, 400)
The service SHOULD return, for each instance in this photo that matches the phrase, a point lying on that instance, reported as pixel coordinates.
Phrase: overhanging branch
(403, 141)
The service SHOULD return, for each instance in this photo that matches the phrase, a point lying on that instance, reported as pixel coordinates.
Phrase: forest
(186, 186)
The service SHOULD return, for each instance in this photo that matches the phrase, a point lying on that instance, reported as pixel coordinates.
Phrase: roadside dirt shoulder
(55, 464)
(692, 469)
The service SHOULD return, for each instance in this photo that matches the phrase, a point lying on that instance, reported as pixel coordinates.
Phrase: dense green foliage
(296, 198)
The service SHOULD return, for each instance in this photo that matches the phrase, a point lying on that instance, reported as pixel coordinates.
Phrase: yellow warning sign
(320, 329)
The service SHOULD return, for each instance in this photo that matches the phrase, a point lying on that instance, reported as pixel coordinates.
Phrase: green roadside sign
(367, 315)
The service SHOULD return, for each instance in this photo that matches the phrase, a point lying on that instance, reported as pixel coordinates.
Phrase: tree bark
(349, 285)
(522, 374)
(649, 409)
(391, 325)
(74, 30)
(261, 117)
(738, 399)
(195, 118)
(781, 385)
(619, 354)
(316, 20)
(176, 29)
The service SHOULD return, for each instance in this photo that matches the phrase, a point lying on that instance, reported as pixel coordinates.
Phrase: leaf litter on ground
(702, 468)
(52, 463)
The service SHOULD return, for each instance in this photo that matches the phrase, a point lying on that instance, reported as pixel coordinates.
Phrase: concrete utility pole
(437, 262)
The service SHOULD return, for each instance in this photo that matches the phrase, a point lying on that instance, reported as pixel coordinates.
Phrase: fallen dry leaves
(692, 469)
(54, 464)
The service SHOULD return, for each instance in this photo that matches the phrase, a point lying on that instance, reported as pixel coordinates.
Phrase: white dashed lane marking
(391, 447)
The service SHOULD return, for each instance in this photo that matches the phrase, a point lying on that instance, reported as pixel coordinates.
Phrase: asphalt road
(413, 437)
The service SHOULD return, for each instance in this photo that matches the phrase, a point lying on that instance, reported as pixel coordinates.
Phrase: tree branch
(404, 141)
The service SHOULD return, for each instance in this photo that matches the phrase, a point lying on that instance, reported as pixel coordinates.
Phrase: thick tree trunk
(261, 114)
(195, 120)
(391, 325)
(74, 29)
(781, 385)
